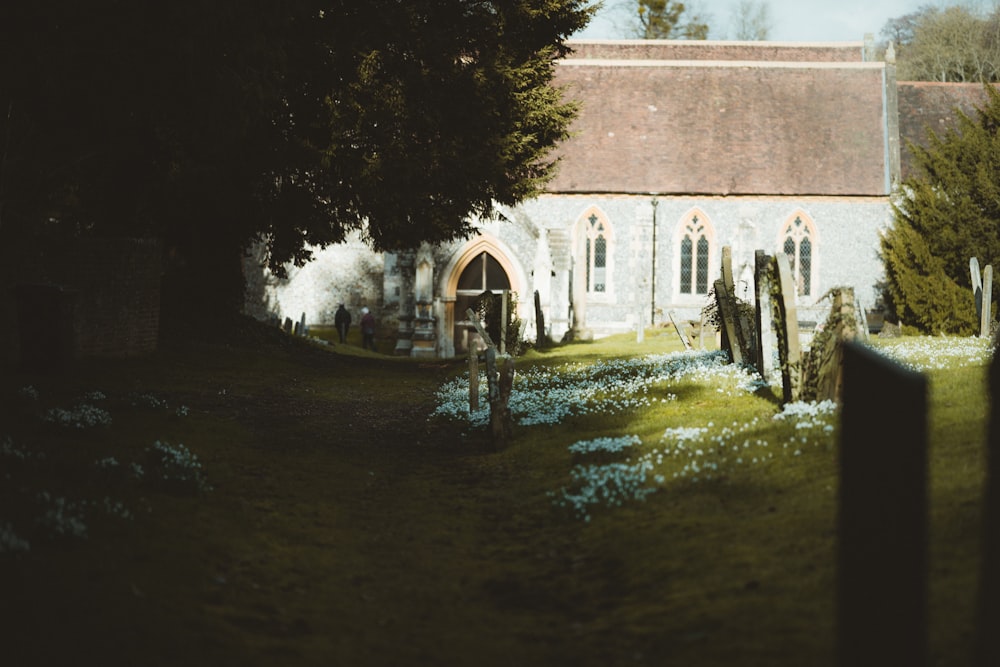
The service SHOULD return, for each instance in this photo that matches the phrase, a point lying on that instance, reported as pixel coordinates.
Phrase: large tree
(947, 213)
(665, 19)
(212, 125)
(957, 43)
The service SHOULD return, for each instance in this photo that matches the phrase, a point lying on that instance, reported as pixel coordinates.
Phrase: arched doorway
(483, 272)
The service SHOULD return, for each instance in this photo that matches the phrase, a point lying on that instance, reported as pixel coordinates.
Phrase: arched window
(594, 239)
(798, 241)
(695, 249)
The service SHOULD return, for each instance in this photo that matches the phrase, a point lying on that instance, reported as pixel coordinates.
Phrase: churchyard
(263, 499)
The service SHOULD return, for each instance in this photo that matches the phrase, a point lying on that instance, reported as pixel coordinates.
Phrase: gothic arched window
(694, 249)
(798, 242)
(596, 239)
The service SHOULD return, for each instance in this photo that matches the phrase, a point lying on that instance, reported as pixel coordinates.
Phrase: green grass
(345, 527)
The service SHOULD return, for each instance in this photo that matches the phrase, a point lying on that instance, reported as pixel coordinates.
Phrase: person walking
(342, 320)
(367, 330)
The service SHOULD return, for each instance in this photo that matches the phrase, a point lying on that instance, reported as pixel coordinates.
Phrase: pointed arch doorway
(483, 263)
(483, 272)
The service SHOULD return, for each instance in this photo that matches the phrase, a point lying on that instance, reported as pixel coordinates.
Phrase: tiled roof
(716, 50)
(724, 127)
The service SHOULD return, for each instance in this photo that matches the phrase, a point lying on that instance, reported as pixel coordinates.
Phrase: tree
(752, 20)
(951, 44)
(947, 213)
(212, 125)
(665, 19)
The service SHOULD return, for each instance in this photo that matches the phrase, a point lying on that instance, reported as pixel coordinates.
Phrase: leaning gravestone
(882, 517)
(977, 287)
(823, 368)
(728, 316)
(786, 323)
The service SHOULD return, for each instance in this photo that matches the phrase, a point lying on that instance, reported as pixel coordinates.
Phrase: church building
(680, 149)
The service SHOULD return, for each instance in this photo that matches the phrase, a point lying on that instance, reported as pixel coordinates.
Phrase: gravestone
(786, 322)
(977, 287)
(680, 332)
(764, 352)
(288, 325)
(823, 372)
(727, 314)
(882, 515)
(501, 382)
(740, 335)
(985, 320)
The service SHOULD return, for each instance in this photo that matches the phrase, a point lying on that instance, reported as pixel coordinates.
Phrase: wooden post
(787, 319)
(473, 379)
(539, 322)
(987, 637)
(500, 384)
(471, 314)
(504, 305)
(987, 315)
(882, 520)
(680, 332)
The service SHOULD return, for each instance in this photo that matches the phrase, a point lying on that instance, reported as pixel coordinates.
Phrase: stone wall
(109, 288)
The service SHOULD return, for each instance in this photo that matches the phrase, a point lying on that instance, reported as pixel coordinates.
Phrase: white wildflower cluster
(176, 465)
(28, 392)
(94, 396)
(147, 401)
(82, 416)
(612, 445)
(182, 411)
(611, 485)
(11, 542)
(548, 396)
(927, 353)
(62, 517)
(9, 450)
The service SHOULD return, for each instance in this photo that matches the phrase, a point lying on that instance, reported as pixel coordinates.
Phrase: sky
(791, 20)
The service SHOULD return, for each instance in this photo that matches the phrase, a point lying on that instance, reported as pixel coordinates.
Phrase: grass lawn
(317, 505)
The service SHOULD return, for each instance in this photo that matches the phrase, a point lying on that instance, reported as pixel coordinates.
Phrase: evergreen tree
(947, 213)
(211, 125)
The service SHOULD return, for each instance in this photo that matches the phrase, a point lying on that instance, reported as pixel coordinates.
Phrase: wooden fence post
(882, 520)
(473, 379)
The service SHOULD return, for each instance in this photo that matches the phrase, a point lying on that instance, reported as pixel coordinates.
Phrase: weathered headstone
(288, 325)
(988, 630)
(825, 358)
(985, 320)
(882, 519)
(677, 328)
(977, 286)
(787, 326)
(764, 352)
(728, 316)
(862, 318)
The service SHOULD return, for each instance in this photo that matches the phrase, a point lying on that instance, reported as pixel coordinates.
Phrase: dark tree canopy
(947, 213)
(212, 125)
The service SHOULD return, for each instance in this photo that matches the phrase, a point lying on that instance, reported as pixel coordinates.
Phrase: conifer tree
(948, 212)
